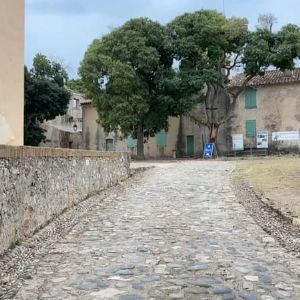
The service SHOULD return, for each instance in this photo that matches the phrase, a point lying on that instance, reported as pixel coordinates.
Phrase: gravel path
(176, 231)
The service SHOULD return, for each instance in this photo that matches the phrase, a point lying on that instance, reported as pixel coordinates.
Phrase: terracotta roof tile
(269, 78)
(81, 97)
(85, 101)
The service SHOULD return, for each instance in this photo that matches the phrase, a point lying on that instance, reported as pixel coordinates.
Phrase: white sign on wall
(285, 136)
(262, 139)
(237, 142)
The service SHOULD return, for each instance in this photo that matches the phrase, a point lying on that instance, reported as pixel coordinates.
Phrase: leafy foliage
(45, 97)
(209, 46)
(129, 76)
(266, 21)
(265, 49)
(77, 85)
(204, 43)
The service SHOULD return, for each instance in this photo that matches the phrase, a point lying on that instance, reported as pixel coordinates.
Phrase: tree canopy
(266, 21)
(129, 76)
(45, 96)
(209, 47)
(130, 73)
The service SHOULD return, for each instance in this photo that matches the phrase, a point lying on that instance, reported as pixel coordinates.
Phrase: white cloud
(65, 28)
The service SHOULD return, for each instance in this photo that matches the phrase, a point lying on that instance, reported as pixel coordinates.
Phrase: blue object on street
(208, 150)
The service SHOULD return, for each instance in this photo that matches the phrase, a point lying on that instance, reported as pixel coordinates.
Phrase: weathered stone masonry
(38, 184)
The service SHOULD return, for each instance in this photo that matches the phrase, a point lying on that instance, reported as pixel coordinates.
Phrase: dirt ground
(277, 179)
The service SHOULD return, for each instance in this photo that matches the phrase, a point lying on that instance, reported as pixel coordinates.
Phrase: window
(131, 142)
(109, 145)
(190, 145)
(76, 103)
(250, 128)
(161, 139)
(250, 98)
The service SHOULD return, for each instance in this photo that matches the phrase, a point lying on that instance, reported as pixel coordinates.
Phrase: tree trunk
(217, 112)
(140, 142)
(180, 142)
(213, 135)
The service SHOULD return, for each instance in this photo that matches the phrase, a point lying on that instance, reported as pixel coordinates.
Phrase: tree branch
(242, 87)
(234, 62)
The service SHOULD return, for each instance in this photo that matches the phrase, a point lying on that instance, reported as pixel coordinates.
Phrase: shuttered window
(250, 98)
(131, 143)
(250, 128)
(109, 145)
(161, 139)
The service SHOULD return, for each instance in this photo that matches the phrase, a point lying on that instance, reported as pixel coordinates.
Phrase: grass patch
(276, 179)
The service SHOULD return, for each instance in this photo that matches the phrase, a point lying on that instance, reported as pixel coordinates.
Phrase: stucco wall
(189, 128)
(93, 135)
(60, 131)
(37, 184)
(11, 71)
(151, 150)
(278, 109)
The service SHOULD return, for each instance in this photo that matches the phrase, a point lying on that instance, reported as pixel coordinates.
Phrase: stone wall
(38, 184)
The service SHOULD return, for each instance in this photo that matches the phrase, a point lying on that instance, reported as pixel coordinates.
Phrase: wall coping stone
(25, 151)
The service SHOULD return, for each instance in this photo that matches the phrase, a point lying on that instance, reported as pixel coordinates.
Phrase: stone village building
(182, 136)
(268, 103)
(66, 131)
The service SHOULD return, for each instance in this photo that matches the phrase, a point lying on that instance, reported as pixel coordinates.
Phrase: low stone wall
(38, 184)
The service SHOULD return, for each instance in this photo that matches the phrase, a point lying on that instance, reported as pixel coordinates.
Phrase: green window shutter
(131, 143)
(109, 145)
(250, 128)
(161, 139)
(250, 98)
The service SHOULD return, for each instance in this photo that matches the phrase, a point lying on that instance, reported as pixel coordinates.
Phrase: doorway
(190, 145)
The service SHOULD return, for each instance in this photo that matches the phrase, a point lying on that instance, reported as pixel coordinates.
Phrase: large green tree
(45, 97)
(209, 46)
(128, 74)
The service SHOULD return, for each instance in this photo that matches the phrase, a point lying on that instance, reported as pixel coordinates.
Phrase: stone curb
(134, 171)
(284, 214)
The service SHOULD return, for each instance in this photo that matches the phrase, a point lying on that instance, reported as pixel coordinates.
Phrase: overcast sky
(63, 29)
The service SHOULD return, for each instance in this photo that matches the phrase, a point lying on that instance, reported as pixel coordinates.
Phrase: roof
(81, 97)
(269, 78)
(85, 101)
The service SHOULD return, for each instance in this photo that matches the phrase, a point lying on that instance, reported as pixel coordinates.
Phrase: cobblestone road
(177, 232)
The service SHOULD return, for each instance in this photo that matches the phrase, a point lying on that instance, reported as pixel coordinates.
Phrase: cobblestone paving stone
(177, 233)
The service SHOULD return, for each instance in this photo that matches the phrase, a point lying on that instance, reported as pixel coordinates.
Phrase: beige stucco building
(183, 138)
(11, 71)
(66, 131)
(93, 135)
(269, 103)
